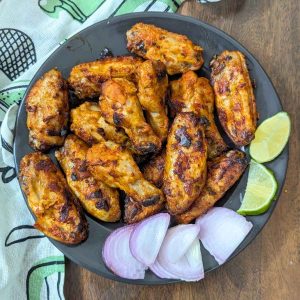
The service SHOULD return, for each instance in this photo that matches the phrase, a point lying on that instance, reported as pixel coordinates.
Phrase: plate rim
(188, 19)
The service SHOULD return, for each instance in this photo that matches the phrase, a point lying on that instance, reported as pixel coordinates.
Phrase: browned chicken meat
(47, 107)
(152, 88)
(134, 212)
(222, 173)
(97, 198)
(185, 168)
(194, 94)
(114, 165)
(176, 51)
(57, 210)
(235, 99)
(119, 105)
(86, 78)
(153, 171)
(88, 123)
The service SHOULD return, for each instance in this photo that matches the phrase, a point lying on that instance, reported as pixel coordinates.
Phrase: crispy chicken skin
(88, 123)
(176, 51)
(97, 198)
(194, 94)
(86, 78)
(134, 212)
(153, 171)
(222, 173)
(57, 210)
(185, 168)
(119, 105)
(235, 99)
(47, 107)
(152, 88)
(114, 165)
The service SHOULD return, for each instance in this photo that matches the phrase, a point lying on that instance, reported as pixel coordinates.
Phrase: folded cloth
(30, 266)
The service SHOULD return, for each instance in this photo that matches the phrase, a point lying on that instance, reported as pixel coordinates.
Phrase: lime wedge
(270, 137)
(260, 190)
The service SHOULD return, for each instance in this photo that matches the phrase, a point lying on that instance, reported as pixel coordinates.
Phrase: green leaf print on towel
(80, 10)
(37, 276)
(12, 95)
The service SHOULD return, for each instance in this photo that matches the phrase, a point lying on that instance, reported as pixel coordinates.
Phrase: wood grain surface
(270, 267)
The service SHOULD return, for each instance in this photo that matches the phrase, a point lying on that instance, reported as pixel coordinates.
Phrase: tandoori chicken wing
(176, 51)
(222, 173)
(235, 99)
(47, 108)
(114, 165)
(185, 167)
(153, 171)
(134, 212)
(57, 210)
(152, 88)
(194, 94)
(119, 105)
(88, 123)
(86, 78)
(97, 198)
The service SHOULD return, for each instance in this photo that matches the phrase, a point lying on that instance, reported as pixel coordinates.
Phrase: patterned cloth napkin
(30, 266)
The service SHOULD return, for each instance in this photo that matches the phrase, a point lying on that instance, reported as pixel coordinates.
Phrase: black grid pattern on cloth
(17, 52)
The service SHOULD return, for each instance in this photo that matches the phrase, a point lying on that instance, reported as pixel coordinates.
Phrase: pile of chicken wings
(142, 137)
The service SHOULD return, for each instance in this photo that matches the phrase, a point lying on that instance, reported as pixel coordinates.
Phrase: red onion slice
(222, 231)
(187, 268)
(177, 241)
(117, 255)
(147, 237)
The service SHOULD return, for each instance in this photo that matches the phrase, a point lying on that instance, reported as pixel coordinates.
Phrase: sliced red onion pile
(222, 230)
(173, 253)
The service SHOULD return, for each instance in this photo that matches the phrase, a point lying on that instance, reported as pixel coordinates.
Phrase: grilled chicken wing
(114, 165)
(176, 51)
(222, 173)
(90, 126)
(185, 168)
(235, 99)
(152, 88)
(86, 78)
(153, 171)
(98, 199)
(57, 210)
(120, 106)
(134, 212)
(194, 94)
(47, 107)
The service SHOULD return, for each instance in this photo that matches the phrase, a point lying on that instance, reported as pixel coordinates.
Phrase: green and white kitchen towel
(30, 266)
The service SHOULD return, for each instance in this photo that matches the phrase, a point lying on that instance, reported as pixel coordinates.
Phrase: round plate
(86, 46)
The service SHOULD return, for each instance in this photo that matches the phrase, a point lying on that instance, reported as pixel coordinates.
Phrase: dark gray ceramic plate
(86, 46)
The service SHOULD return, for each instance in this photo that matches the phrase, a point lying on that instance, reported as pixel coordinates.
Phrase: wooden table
(270, 267)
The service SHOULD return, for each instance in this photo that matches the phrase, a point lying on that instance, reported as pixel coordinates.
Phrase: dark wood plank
(270, 267)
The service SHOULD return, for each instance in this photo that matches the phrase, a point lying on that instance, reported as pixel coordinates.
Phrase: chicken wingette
(114, 165)
(86, 78)
(152, 82)
(176, 51)
(134, 212)
(88, 123)
(119, 105)
(185, 167)
(153, 171)
(57, 210)
(235, 99)
(47, 108)
(222, 173)
(194, 94)
(97, 198)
